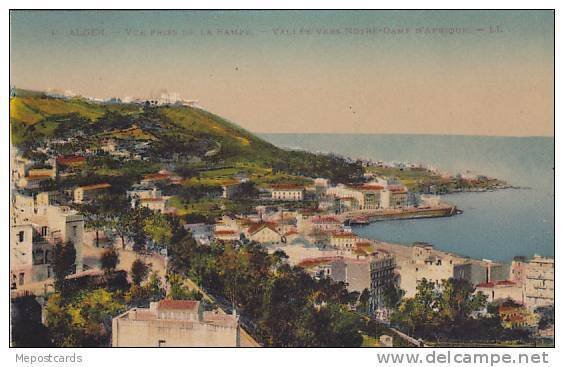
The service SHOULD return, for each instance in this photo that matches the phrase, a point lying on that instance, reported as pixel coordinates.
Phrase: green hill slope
(174, 133)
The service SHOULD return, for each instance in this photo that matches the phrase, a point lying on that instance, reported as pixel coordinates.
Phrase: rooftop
(502, 283)
(287, 187)
(103, 185)
(170, 304)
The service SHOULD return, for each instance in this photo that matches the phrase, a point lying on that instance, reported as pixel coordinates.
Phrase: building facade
(175, 323)
(382, 275)
(539, 282)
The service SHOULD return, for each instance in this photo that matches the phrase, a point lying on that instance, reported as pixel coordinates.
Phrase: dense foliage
(287, 307)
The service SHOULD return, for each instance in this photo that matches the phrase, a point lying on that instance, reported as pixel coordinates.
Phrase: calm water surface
(495, 225)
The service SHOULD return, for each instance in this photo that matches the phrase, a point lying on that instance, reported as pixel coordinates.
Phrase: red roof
(156, 176)
(343, 234)
(151, 199)
(398, 190)
(38, 177)
(172, 304)
(325, 220)
(371, 187)
(103, 185)
(258, 226)
(225, 231)
(70, 159)
(313, 261)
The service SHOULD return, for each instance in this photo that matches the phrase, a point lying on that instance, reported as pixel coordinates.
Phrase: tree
(178, 290)
(155, 287)
(95, 219)
(392, 296)
(364, 301)
(84, 321)
(139, 271)
(109, 260)
(64, 257)
(158, 229)
(457, 302)
(445, 312)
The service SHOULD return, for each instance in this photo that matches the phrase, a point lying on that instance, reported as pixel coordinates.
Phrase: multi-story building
(30, 256)
(347, 197)
(427, 263)
(354, 272)
(325, 224)
(382, 275)
(172, 323)
(36, 226)
(394, 198)
(89, 192)
(539, 282)
(517, 272)
(287, 192)
(343, 241)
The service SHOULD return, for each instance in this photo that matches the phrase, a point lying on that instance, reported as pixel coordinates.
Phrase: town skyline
(256, 71)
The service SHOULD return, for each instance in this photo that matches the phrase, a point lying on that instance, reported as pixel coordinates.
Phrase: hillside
(179, 135)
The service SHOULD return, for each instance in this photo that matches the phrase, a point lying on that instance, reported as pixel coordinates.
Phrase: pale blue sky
(473, 83)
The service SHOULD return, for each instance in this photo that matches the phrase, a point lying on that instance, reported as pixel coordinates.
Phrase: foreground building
(175, 323)
(539, 282)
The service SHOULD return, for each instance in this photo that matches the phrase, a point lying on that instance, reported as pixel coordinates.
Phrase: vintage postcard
(282, 178)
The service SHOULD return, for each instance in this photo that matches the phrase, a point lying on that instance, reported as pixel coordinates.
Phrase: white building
(288, 192)
(175, 323)
(344, 241)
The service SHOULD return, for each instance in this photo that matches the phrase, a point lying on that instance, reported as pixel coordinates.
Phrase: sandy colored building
(175, 323)
(343, 241)
(89, 192)
(539, 282)
(502, 289)
(426, 263)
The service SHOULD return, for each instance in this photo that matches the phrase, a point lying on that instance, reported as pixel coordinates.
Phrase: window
(21, 236)
(162, 343)
(44, 231)
(21, 278)
(74, 231)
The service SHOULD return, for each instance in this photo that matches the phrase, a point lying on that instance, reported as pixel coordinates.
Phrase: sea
(494, 225)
